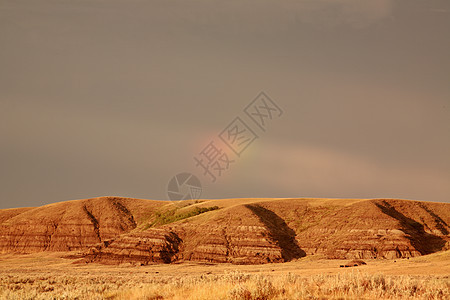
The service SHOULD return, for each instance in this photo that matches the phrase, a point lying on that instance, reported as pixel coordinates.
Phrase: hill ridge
(253, 230)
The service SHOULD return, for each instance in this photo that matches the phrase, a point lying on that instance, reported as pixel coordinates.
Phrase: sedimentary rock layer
(116, 230)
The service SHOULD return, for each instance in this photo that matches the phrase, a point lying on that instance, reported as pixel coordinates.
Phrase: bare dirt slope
(115, 230)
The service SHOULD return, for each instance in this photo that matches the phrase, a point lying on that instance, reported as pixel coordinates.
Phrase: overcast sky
(116, 97)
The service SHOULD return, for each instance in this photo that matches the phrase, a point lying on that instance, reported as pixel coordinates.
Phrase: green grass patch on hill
(170, 216)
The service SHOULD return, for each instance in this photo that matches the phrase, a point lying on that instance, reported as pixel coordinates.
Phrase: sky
(115, 98)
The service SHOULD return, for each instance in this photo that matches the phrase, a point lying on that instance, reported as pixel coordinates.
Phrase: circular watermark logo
(184, 186)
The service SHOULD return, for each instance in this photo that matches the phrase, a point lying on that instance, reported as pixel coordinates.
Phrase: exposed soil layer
(113, 230)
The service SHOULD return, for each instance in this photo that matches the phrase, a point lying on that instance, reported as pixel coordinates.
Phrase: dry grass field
(51, 276)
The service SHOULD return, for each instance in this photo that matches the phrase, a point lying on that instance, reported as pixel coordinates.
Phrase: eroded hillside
(242, 231)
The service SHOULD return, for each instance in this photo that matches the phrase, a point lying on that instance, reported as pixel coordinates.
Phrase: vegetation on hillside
(170, 216)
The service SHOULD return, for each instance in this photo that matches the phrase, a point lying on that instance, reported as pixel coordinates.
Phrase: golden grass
(231, 285)
(442, 256)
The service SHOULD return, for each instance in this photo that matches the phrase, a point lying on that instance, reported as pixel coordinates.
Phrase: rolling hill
(113, 230)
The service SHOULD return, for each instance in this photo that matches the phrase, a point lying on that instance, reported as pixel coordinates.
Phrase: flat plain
(52, 276)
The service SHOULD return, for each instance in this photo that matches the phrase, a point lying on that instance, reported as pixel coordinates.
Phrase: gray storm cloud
(116, 97)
